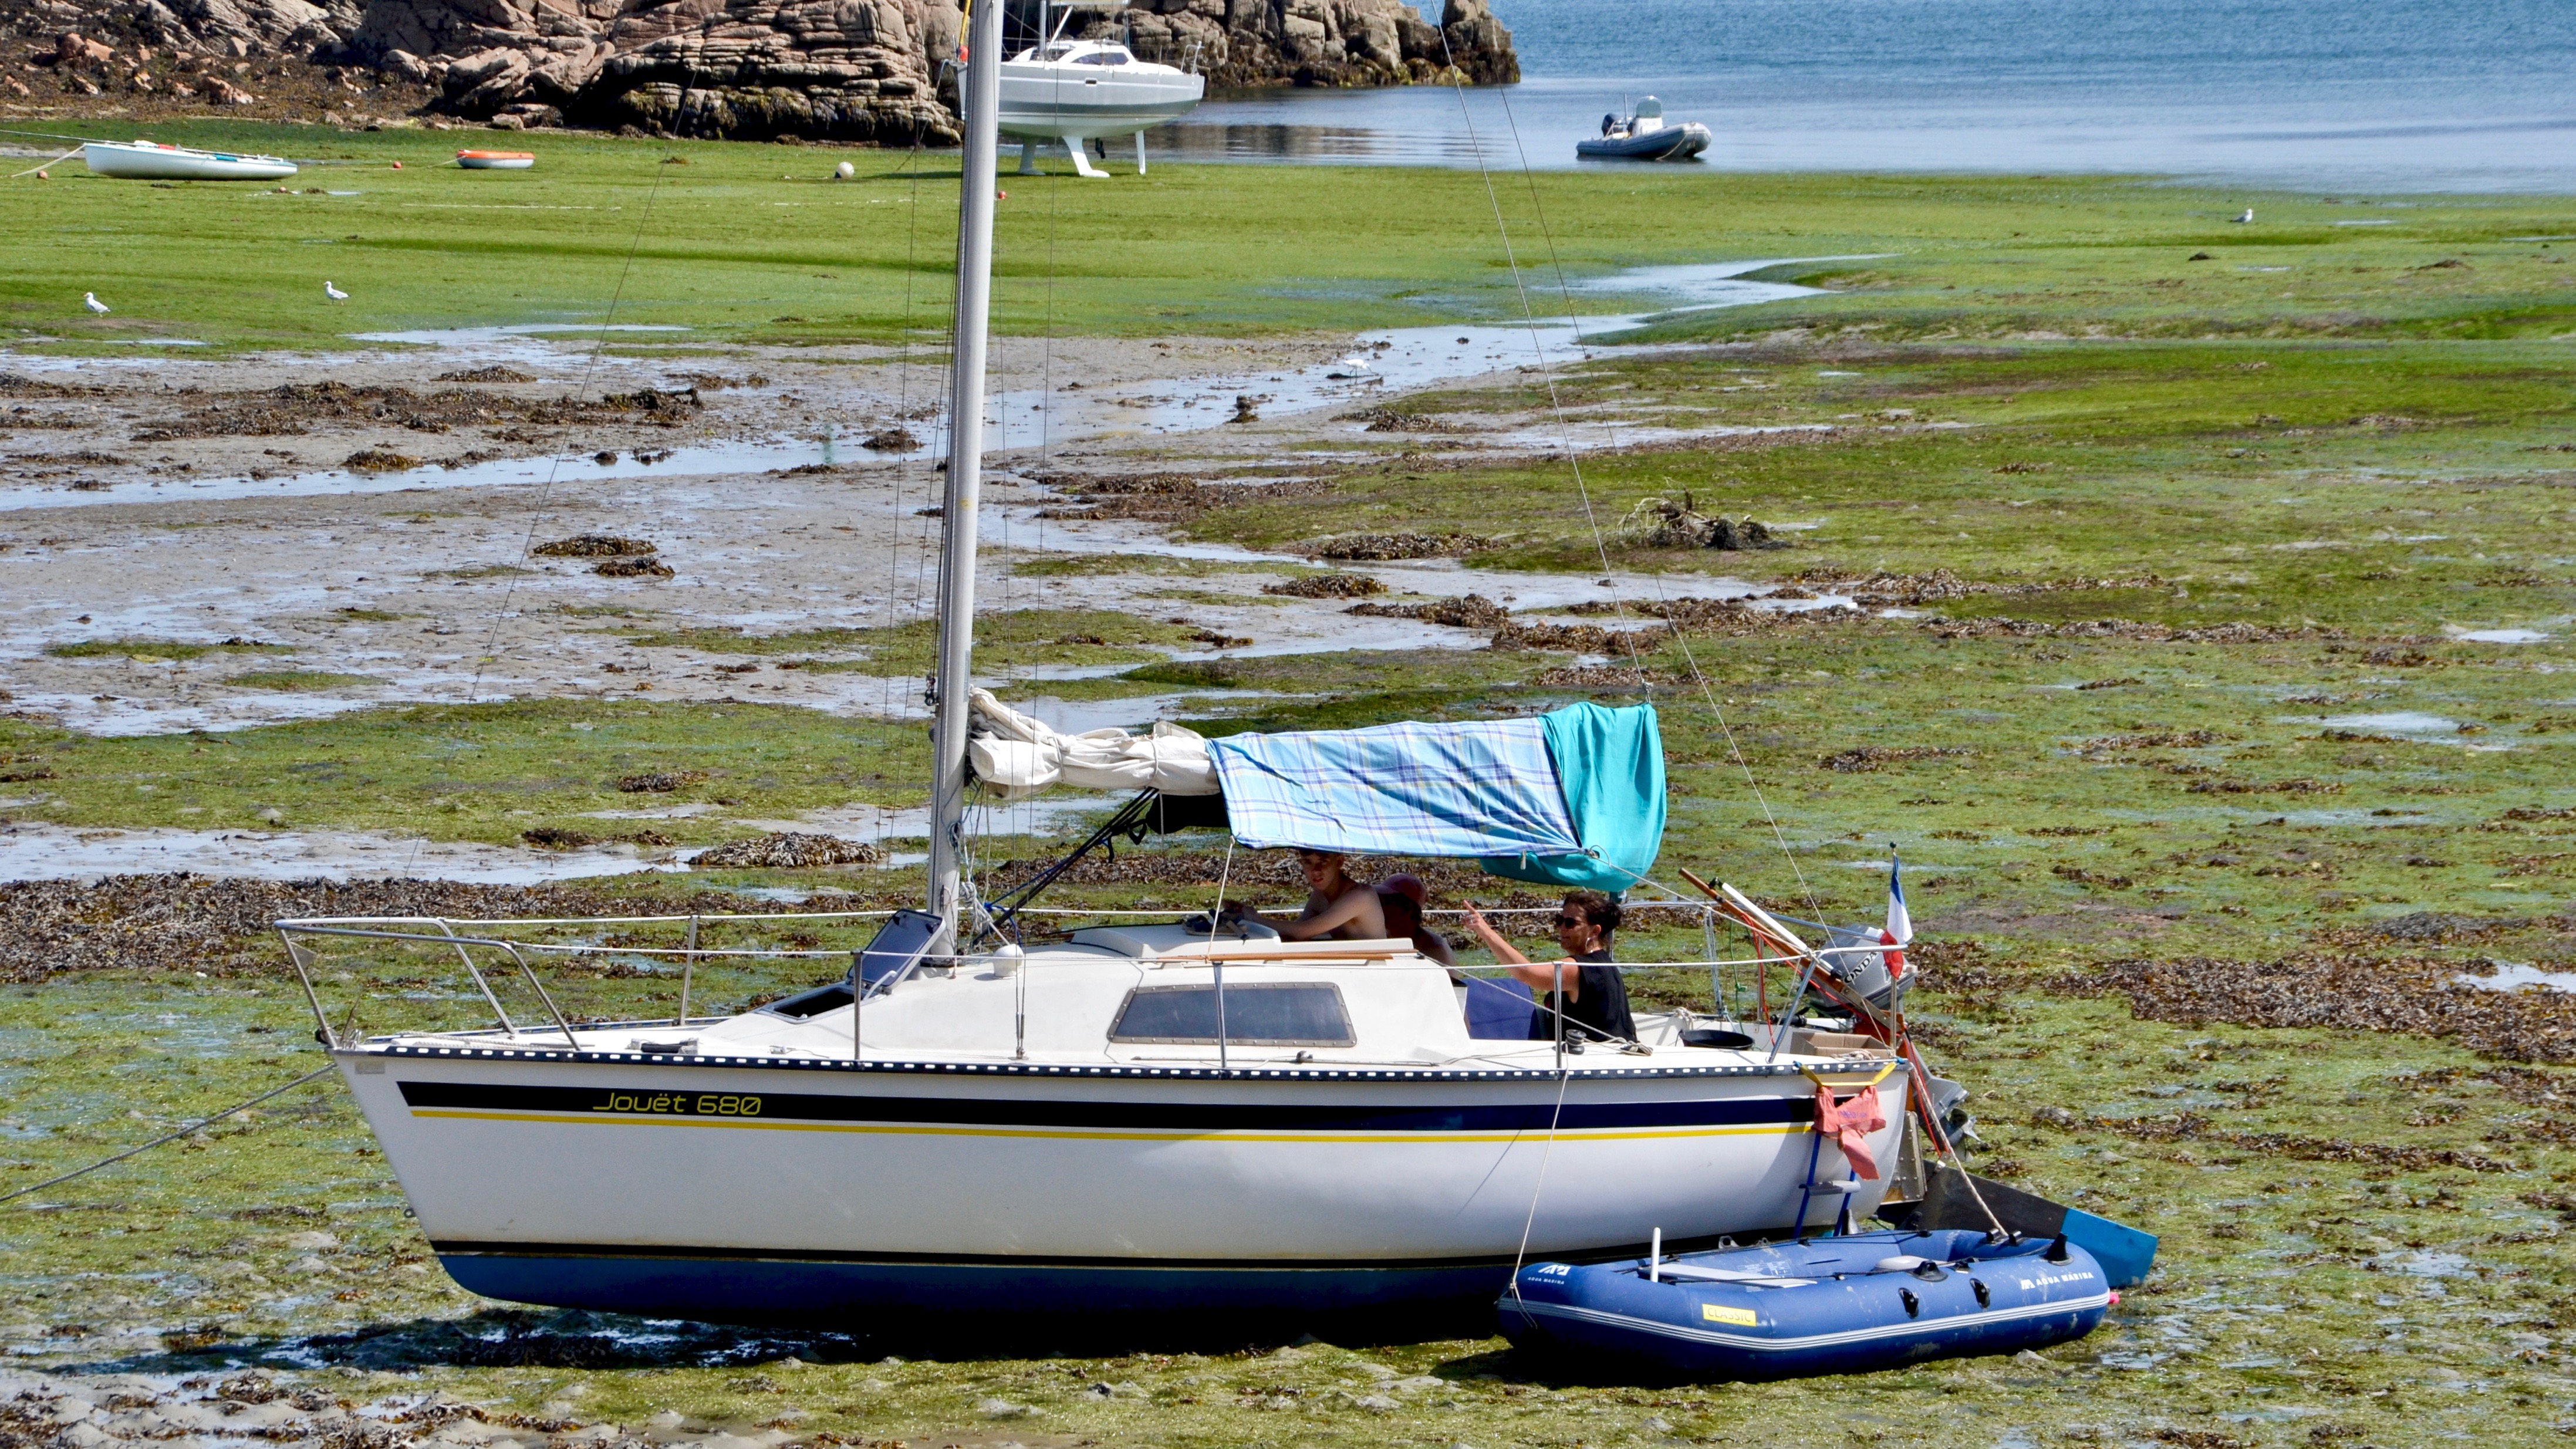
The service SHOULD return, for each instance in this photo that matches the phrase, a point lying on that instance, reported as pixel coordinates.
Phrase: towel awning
(1574, 797)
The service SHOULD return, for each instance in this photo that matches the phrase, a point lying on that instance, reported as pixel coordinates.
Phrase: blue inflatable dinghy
(1830, 1305)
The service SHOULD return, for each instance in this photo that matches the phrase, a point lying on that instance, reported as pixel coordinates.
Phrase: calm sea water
(2346, 94)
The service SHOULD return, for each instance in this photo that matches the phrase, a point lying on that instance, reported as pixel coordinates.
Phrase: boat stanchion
(688, 967)
(1008, 961)
(1655, 1257)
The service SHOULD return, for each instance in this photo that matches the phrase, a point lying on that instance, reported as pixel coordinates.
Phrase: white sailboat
(1139, 1118)
(152, 161)
(1073, 90)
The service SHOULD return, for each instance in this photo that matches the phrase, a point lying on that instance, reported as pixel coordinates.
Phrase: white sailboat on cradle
(1142, 1117)
(1075, 90)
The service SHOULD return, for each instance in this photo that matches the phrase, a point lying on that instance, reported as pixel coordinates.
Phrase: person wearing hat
(1401, 898)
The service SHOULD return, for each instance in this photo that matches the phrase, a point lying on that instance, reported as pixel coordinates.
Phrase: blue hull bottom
(866, 1296)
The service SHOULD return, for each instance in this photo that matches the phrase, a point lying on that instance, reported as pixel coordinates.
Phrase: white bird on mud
(2248, 216)
(332, 292)
(1354, 366)
(91, 301)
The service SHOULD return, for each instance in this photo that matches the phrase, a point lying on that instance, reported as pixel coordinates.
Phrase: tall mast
(980, 91)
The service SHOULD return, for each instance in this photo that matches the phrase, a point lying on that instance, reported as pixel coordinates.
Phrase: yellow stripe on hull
(889, 1130)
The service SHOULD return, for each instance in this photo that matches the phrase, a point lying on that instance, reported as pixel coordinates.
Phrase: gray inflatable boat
(1645, 137)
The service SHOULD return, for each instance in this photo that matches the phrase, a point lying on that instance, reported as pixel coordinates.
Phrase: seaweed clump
(1662, 523)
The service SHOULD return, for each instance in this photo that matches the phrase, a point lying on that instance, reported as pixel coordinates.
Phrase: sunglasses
(1563, 922)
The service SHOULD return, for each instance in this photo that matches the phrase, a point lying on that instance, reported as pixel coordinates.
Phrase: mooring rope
(41, 165)
(1520, 1255)
(15, 1194)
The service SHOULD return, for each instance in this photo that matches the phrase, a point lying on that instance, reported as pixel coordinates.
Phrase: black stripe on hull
(614, 1102)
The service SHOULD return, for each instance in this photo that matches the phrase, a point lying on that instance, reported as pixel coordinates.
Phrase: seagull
(334, 293)
(91, 301)
(2248, 216)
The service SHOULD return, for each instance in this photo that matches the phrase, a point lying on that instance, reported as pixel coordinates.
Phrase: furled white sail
(1016, 756)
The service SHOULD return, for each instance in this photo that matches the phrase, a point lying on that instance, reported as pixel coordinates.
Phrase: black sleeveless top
(1599, 1011)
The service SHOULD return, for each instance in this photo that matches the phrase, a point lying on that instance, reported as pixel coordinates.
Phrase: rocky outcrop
(858, 70)
(851, 70)
(237, 28)
(1326, 42)
(868, 70)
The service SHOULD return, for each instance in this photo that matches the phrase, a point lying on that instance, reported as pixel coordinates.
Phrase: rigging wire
(1681, 638)
(554, 466)
(886, 615)
(1538, 348)
(1575, 465)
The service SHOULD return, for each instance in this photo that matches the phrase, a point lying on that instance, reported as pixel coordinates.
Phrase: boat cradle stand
(1081, 156)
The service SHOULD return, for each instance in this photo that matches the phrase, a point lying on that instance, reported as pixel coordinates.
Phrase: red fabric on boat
(1849, 1124)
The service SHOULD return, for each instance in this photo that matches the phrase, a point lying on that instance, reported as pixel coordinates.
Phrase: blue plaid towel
(1481, 788)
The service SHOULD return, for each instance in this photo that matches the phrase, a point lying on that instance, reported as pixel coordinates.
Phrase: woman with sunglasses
(1595, 998)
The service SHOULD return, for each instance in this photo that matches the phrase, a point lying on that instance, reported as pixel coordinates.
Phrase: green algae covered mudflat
(2214, 680)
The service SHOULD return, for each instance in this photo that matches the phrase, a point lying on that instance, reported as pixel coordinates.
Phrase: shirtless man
(1336, 905)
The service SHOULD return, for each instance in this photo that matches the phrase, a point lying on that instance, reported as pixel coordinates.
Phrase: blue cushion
(1499, 1008)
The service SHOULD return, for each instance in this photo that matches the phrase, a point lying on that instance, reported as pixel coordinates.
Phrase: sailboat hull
(1053, 102)
(145, 161)
(850, 1293)
(743, 1190)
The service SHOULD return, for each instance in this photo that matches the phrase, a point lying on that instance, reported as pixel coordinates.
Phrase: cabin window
(1103, 57)
(1285, 1013)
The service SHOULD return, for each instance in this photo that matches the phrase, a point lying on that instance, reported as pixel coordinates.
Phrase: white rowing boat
(151, 161)
(496, 160)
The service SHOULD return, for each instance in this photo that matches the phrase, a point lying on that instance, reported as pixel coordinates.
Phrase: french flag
(1899, 930)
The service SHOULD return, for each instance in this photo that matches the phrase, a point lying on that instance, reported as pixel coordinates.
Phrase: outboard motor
(1859, 958)
(1949, 1103)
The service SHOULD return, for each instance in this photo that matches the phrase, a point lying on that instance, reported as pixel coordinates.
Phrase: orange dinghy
(496, 160)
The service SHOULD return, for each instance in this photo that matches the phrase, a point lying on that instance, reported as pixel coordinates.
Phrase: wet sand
(433, 592)
(337, 532)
